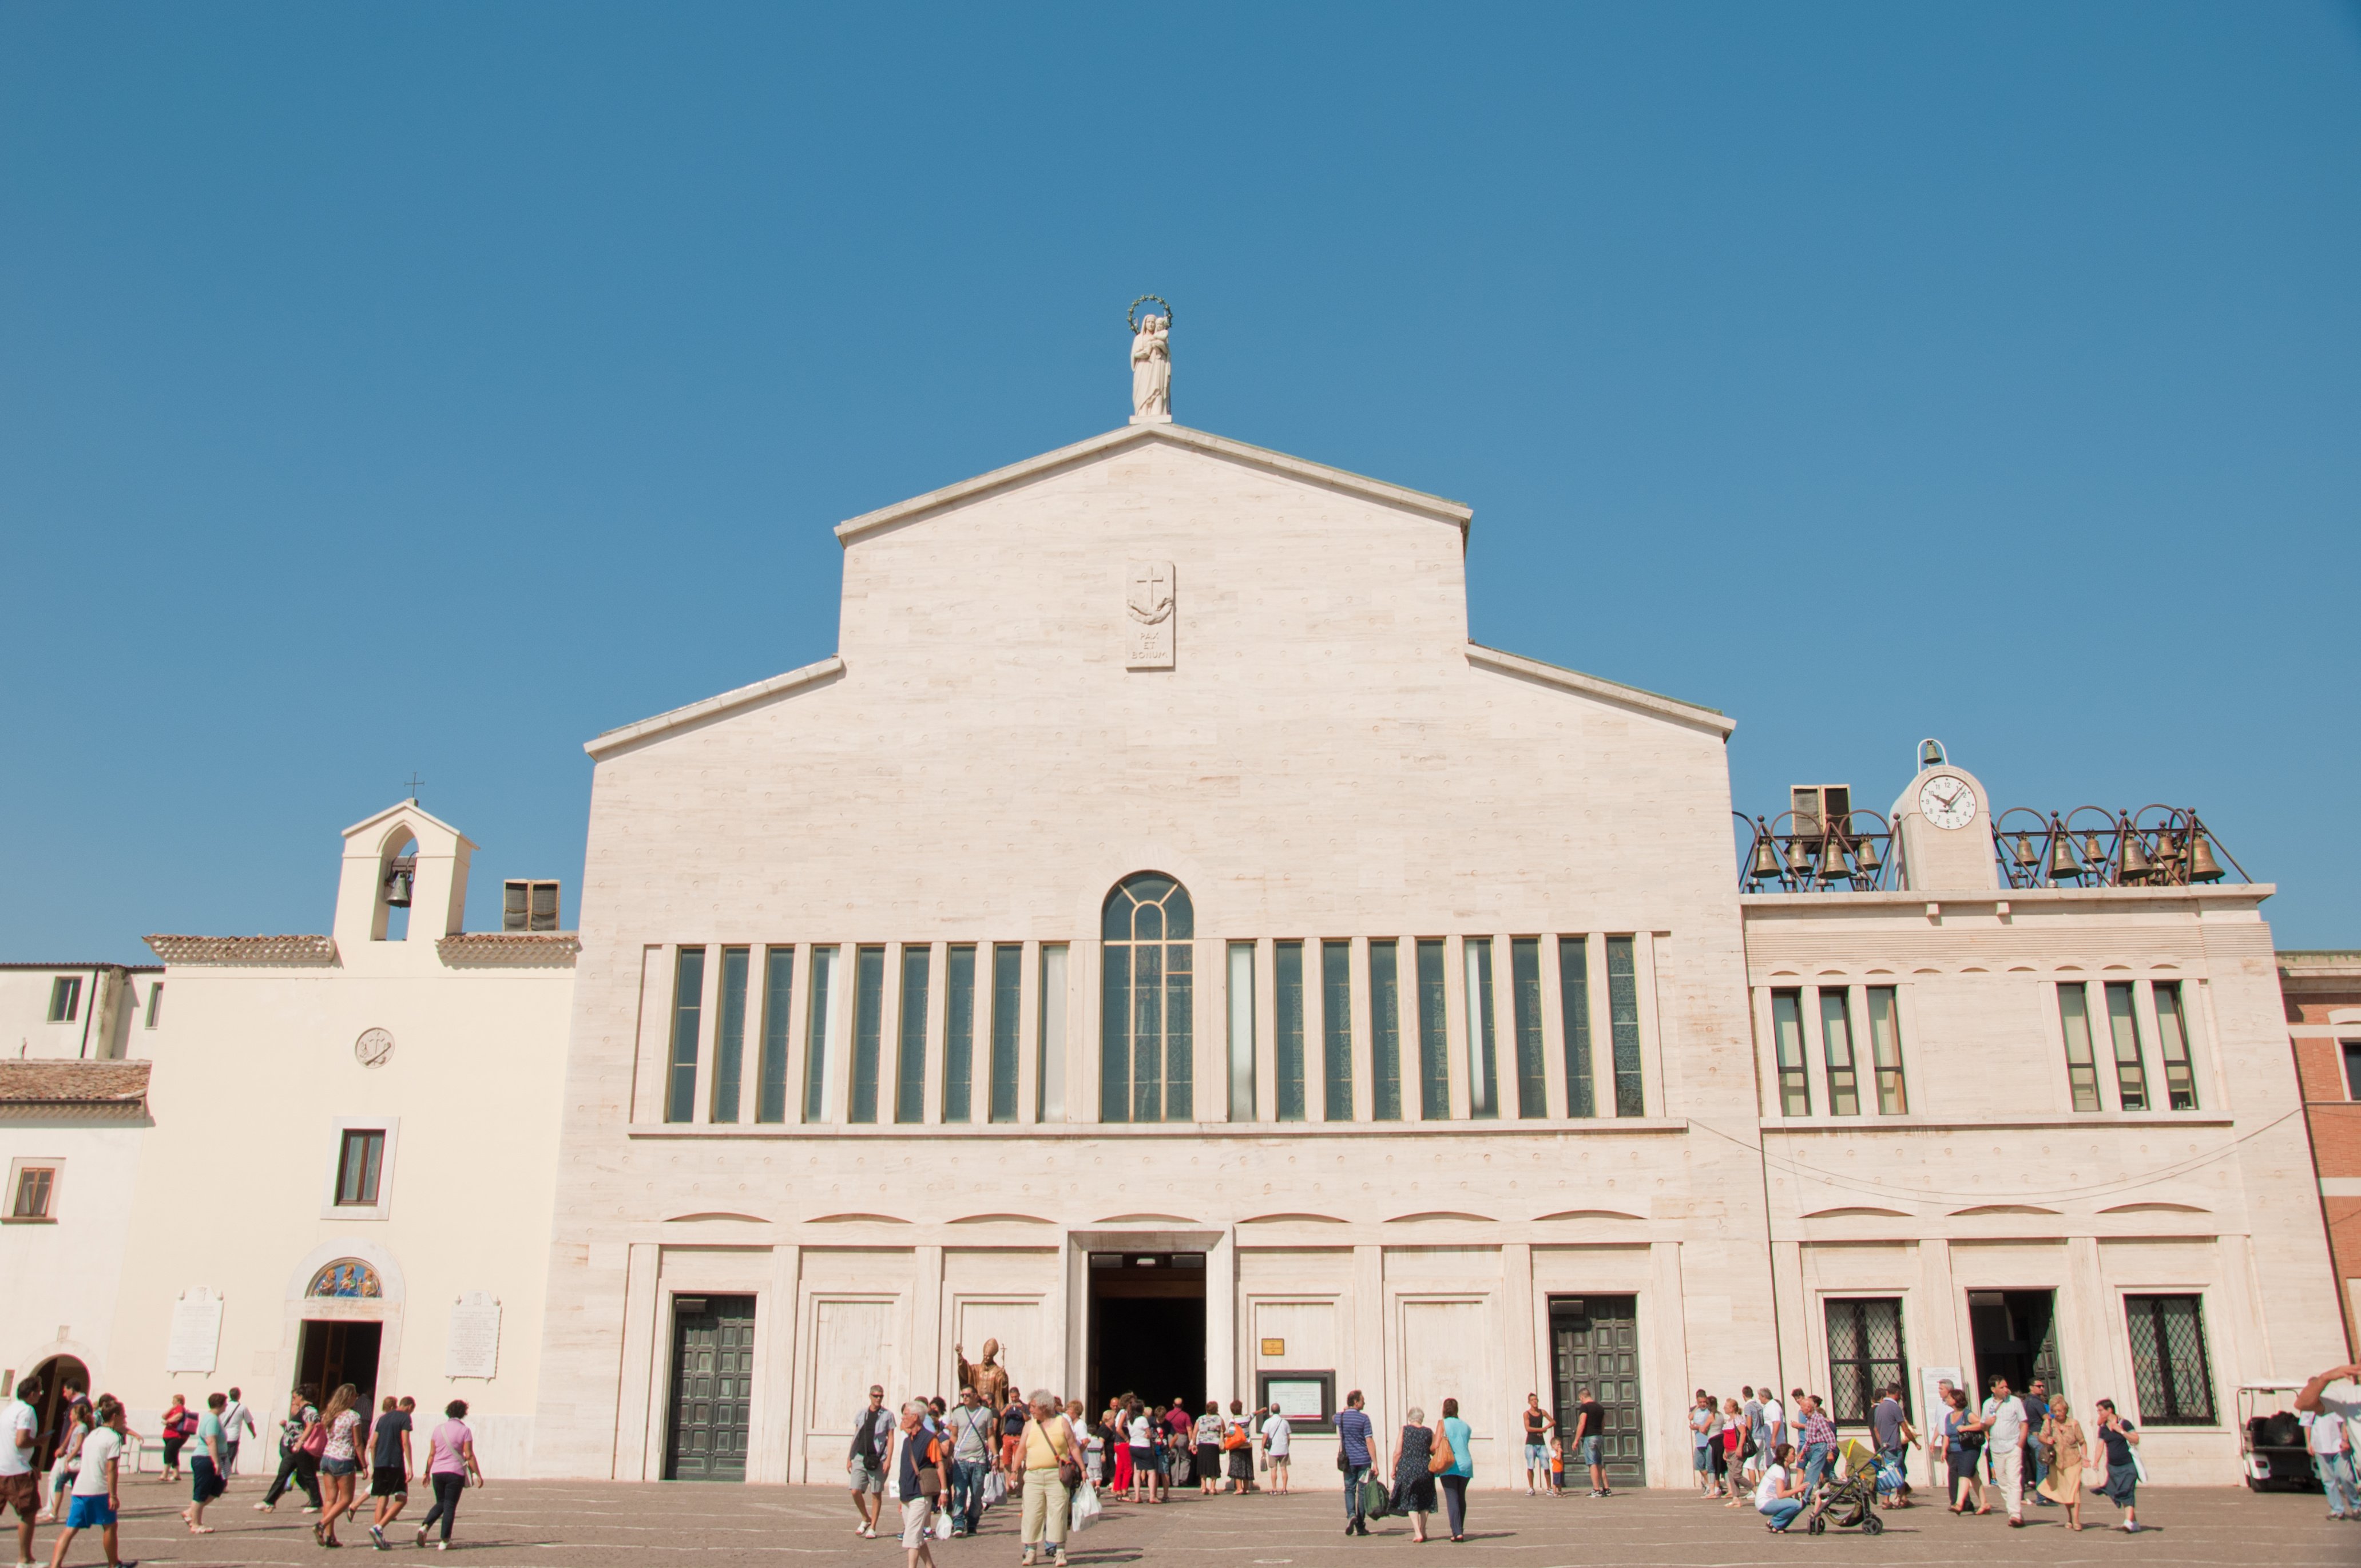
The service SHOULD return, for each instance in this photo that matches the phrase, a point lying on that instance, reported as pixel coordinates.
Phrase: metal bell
(2203, 866)
(2167, 848)
(2026, 858)
(1763, 865)
(2136, 865)
(397, 888)
(1865, 857)
(2062, 863)
(1799, 859)
(1833, 867)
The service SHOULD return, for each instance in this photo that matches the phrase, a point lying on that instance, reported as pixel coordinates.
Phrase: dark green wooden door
(712, 1387)
(1596, 1339)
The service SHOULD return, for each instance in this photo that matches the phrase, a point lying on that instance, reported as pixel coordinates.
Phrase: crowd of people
(2011, 1450)
(322, 1448)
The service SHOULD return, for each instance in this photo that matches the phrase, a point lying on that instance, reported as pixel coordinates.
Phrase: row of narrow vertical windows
(980, 1041)
(1853, 1079)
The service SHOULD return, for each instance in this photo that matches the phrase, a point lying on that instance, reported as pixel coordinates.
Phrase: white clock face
(1947, 801)
(373, 1047)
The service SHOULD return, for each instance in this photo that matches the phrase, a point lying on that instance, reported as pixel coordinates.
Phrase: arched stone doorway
(56, 1375)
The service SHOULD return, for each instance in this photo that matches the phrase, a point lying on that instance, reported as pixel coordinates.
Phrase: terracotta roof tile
(257, 950)
(115, 1083)
(514, 948)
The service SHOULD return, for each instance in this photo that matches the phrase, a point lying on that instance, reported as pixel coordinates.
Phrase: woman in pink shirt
(450, 1462)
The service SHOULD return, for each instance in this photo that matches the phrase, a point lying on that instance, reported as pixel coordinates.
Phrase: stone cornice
(614, 740)
(1647, 702)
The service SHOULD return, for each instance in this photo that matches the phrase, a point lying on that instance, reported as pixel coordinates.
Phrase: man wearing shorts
(389, 1469)
(1589, 1438)
(20, 1427)
(922, 1481)
(864, 1467)
(97, 1489)
(1537, 1456)
(1276, 1436)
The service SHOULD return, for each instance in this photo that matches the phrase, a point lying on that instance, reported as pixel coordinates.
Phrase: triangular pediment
(1179, 436)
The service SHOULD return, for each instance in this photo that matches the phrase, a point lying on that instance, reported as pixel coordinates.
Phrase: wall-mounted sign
(1274, 1347)
(1308, 1399)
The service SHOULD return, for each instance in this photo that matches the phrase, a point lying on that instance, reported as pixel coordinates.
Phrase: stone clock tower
(1943, 823)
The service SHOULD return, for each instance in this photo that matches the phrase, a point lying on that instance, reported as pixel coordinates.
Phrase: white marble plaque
(472, 1349)
(196, 1331)
(1148, 614)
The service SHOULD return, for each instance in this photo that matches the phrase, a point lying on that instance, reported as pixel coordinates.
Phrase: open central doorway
(2015, 1334)
(334, 1352)
(1148, 1328)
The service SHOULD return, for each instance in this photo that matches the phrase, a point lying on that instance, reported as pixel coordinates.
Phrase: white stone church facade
(1162, 941)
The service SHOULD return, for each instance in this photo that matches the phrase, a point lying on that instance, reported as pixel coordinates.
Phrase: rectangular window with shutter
(1885, 1050)
(1836, 1041)
(2172, 1046)
(688, 1010)
(1574, 999)
(35, 1186)
(1787, 1039)
(2131, 1074)
(359, 1164)
(2081, 1068)
(2169, 1366)
(1385, 1030)
(529, 906)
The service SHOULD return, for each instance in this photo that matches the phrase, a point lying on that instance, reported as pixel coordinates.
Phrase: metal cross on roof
(414, 782)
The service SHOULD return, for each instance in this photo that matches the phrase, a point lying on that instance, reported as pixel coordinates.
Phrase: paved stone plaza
(543, 1522)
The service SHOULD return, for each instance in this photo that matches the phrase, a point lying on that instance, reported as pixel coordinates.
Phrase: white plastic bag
(1086, 1506)
(943, 1525)
(995, 1490)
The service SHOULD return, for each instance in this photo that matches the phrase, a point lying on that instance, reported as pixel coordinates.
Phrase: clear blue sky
(433, 387)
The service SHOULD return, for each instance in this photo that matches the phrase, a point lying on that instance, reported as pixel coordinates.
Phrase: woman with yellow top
(1049, 1443)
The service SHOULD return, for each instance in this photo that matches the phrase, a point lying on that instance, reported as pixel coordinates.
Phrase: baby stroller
(1851, 1503)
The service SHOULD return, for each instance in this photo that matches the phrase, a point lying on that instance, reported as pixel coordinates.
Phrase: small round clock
(374, 1047)
(1947, 801)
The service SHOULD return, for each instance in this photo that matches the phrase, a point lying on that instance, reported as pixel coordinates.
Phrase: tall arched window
(1145, 1035)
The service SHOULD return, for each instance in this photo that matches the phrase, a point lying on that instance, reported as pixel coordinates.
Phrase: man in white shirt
(20, 1427)
(1276, 1436)
(237, 1425)
(1775, 1424)
(2003, 1418)
(2329, 1424)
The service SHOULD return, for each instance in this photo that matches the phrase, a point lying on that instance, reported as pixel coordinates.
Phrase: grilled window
(1147, 1032)
(359, 1164)
(2082, 1071)
(1864, 1356)
(1787, 1037)
(2169, 1362)
(529, 906)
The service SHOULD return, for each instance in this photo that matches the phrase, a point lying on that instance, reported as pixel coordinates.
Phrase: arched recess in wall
(1856, 1212)
(1000, 1219)
(725, 1215)
(1439, 1214)
(1147, 1220)
(2000, 1209)
(1292, 1220)
(1588, 1214)
(396, 881)
(858, 1220)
